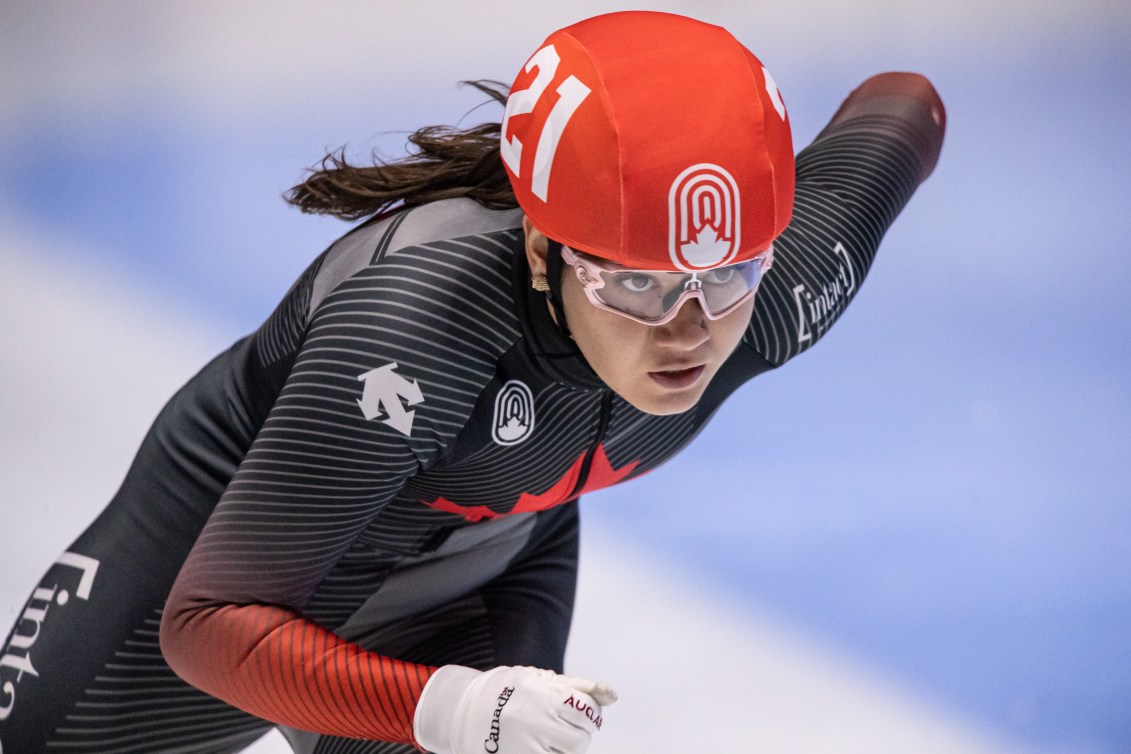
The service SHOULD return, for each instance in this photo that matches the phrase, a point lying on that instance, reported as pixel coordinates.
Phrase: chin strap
(554, 278)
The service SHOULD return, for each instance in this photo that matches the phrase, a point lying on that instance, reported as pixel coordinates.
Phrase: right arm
(315, 476)
(322, 467)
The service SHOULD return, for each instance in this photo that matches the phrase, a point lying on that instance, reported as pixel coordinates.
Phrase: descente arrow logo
(385, 387)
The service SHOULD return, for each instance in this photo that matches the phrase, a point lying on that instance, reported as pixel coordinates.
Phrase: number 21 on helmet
(652, 141)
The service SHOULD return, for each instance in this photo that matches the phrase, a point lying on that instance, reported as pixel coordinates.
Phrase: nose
(687, 330)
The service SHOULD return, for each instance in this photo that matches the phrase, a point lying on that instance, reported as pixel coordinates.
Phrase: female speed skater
(359, 524)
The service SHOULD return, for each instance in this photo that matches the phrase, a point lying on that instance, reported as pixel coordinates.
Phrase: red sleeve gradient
(269, 662)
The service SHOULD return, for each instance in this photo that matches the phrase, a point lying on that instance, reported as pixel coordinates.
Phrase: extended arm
(852, 182)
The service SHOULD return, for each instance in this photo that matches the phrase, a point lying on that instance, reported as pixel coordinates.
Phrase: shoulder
(442, 273)
(420, 304)
(451, 219)
(485, 233)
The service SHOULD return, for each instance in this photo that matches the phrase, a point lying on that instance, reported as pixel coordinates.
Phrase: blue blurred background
(941, 491)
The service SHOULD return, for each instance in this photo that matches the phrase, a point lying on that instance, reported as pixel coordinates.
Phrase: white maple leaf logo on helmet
(705, 247)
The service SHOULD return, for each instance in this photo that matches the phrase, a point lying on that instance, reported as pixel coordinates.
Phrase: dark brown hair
(447, 162)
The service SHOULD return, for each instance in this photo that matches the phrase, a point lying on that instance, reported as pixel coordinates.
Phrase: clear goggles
(654, 297)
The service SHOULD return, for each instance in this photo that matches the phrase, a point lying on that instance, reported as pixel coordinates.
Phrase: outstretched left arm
(852, 182)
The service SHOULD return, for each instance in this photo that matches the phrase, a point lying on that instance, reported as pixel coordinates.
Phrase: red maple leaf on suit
(601, 474)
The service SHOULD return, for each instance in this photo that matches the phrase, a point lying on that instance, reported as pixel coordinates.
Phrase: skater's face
(659, 369)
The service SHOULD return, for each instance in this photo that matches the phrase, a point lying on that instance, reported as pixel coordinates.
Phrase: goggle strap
(554, 278)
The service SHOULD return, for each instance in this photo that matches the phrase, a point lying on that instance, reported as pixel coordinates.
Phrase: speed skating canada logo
(703, 218)
(514, 414)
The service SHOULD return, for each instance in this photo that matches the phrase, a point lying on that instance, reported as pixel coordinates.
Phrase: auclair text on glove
(584, 708)
(491, 743)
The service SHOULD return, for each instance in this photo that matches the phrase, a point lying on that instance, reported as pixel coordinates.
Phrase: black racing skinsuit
(384, 477)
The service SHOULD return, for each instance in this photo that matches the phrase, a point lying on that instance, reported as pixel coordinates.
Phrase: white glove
(508, 710)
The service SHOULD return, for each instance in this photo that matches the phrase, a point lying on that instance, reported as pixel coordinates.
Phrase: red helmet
(652, 140)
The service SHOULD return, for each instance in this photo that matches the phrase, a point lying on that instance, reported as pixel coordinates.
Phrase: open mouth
(677, 378)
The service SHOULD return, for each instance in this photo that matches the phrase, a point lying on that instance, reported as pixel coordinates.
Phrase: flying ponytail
(447, 163)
